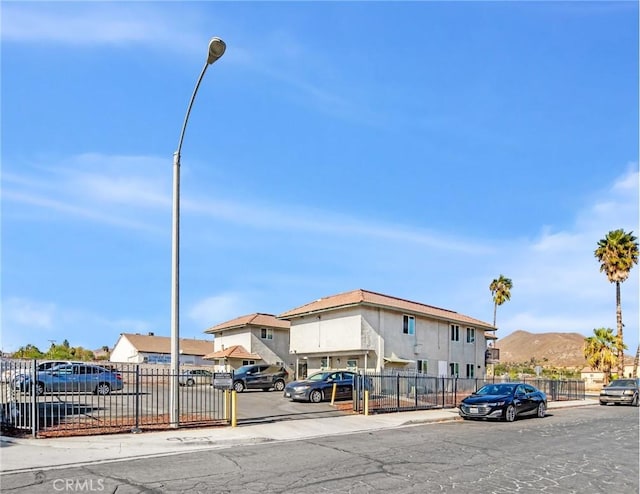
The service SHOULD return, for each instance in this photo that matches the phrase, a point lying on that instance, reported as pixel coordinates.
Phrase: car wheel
(634, 402)
(190, 382)
(542, 409)
(238, 386)
(315, 396)
(602, 403)
(510, 413)
(278, 385)
(103, 389)
(39, 388)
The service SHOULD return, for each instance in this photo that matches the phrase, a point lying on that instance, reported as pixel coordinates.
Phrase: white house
(250, 339)
(371, 331)
(137, 348)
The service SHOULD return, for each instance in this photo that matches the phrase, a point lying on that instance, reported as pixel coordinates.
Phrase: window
(324, 363)
(455, 332)
(471, 369)
(352, 364)
(454, 369)
(248, 362)
(266, 334)
(471, 335)
(408, 324)
(421, 366)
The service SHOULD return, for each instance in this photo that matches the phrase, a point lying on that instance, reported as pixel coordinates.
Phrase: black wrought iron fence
(393, 392)
(77, 396)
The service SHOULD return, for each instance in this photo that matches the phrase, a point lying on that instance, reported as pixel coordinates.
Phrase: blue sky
(416, 149)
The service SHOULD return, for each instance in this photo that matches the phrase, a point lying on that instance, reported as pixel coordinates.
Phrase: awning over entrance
(394, 359)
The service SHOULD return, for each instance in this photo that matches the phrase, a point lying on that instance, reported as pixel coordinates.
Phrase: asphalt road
(575, 450)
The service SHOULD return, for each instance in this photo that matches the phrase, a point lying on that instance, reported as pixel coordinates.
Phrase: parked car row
(505, 401)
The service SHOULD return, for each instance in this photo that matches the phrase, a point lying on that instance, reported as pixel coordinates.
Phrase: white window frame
(455, 332)
(266, 333)
(408, 324)
(422, 366)
(471, 371)
(471, 335)
(454, 369)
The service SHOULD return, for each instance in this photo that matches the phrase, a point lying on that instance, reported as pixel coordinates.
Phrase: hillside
(560, 349)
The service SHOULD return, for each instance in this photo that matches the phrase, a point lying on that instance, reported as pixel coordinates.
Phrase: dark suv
(260, 376)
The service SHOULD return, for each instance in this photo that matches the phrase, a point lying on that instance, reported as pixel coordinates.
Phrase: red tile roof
(235, 351)
(257, 319)
(364, 297)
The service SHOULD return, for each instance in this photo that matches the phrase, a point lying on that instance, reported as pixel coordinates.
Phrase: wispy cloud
(557, 283)
(35, 321)
(221, 307)
(127, 191)
(79, 24)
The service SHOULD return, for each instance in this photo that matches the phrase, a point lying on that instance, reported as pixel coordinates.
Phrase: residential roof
(162, 344)
(256, 319)
(364, 297)
(235, 351)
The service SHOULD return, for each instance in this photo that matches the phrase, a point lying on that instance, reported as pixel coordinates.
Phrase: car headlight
(628, 392)
(496, 403)
(301, 388)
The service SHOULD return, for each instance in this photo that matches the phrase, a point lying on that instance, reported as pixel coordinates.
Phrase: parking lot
(148, 405)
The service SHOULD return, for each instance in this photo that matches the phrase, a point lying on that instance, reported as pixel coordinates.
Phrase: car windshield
(623, 383)
(495, 389)
(243, 369)
(318, 376)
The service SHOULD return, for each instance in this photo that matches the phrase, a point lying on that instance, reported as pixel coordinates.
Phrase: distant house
(250, 339)
(137, 348)
(371, 331)
(595, 378)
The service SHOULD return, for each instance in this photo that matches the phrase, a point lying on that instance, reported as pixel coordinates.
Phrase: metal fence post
(34, 398)
(136, 428)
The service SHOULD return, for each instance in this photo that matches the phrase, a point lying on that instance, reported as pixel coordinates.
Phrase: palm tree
(617, 253)
(501, 291)
(600, 351)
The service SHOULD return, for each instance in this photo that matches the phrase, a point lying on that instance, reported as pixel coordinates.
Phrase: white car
(195, 376)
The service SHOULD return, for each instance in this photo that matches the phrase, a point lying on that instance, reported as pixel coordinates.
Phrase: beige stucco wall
(379, 331)
(327, 332)
(231, 338)
(272, 351)
(124, 351)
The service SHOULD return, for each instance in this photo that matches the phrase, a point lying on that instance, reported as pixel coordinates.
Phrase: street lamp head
(216, 50)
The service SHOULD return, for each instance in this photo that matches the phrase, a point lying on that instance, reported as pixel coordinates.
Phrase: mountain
(560, 349)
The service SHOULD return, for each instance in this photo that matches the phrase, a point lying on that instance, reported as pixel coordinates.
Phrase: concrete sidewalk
(18, 454)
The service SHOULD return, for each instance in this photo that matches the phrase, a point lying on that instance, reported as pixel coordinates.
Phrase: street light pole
(216, 50)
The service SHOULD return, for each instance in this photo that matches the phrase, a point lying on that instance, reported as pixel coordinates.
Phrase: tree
(635, 362)
(501, 291)
(617, 253)
(600, 351)
(28, 352)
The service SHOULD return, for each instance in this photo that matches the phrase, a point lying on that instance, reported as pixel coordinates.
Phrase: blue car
(504, 401)
(72, 378)
(319, 387)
